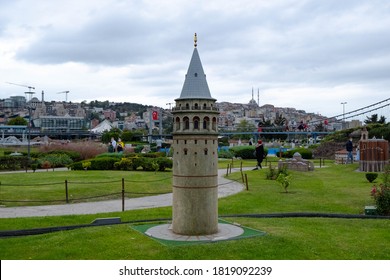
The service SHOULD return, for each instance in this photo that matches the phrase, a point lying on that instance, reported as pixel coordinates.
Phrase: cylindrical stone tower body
(195, 158)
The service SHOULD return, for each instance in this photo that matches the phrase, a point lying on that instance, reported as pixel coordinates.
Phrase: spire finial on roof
(195, 40)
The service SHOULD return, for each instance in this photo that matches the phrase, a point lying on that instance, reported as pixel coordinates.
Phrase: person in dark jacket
(349, 148)
(259, 154)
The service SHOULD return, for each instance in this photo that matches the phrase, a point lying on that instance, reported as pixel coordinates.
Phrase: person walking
(259, 154)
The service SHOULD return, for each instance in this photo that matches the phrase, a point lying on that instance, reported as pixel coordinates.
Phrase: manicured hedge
(246, 152)
(133, 162)
(13, 162)
(305, 153)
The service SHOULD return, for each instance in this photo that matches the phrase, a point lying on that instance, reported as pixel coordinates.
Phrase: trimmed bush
(76, 165)
(111, 155)
(164, 163)
(126, 164)
(246, 152)
(371, 177)
(13, 162)
(225, 154)
(305, 153)
(103, 163)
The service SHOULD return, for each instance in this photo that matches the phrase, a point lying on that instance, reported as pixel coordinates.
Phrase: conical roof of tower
(195, 84)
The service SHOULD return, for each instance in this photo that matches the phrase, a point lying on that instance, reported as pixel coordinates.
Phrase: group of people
(115, 146)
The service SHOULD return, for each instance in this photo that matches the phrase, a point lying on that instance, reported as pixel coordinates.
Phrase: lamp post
(343, 103)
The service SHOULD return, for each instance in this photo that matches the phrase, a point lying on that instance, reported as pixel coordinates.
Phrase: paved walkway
(225, 188)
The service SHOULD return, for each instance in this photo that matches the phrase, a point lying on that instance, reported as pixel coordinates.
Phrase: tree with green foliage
(245, 126)
(374, 119)
(18, 121)
(280, 120)
(114, 132)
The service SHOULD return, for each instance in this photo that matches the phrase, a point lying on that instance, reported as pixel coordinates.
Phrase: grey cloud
(111, 40)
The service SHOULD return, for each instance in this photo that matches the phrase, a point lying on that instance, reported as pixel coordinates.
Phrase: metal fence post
(123, 194)
(66, 191)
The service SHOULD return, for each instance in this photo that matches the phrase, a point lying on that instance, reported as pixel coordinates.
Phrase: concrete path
(225, 188)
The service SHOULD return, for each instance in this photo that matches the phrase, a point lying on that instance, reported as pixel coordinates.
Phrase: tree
(245, 126)
(280, 120)
(18, 121)
(374, 119)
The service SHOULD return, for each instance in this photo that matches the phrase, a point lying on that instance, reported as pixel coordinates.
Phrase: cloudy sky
(307, 54)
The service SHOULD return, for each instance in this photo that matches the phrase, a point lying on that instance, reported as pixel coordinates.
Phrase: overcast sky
(311, 55)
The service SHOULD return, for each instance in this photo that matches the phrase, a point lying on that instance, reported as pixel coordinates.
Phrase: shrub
(164, 163)
(13, 162)
(386, 175)
(76, 166)
(86, 165)
(225, 154)
(103, 163)
(85, 149)
(284, 180)
(370, 176)
(46, 165)
(55, 160)
(272, 173)
(305, 153)
(244, 152)
(147, 164)
(126, 164)
(112, 155)
(381, 196)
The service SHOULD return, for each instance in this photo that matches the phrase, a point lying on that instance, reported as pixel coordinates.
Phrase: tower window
(206, 122)
(196, 142)
(196, 122)
(185, 151)
(206, 151)
(196, 74)
(186, 121)
(177, 123)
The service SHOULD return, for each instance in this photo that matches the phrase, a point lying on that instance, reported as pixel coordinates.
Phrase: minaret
(195, 157)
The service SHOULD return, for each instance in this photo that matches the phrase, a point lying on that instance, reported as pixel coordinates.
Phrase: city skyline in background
(324, 57)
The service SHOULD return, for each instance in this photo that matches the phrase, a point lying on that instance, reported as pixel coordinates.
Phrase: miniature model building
(195, 158)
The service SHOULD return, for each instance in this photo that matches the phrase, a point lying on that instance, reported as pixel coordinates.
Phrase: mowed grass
(332, 189)
(44, 188)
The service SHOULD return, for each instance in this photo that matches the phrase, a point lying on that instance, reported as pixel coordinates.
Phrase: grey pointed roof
(195, 84)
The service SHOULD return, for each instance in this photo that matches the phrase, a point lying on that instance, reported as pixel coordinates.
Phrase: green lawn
(332, 189)
(42, 188)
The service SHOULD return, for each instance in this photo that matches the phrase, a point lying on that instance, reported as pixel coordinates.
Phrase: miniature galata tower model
(195, 157)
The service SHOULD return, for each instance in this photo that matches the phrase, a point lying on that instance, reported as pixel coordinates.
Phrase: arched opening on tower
(177, 124)
(196, 122)
(186, 122)
(206, 123)
(214, 124)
